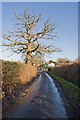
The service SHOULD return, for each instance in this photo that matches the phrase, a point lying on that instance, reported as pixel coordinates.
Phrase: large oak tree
(25, 38)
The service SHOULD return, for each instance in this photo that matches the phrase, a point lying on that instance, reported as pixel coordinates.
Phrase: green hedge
(9, 71)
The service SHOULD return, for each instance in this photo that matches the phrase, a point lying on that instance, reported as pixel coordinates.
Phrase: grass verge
(70, 90)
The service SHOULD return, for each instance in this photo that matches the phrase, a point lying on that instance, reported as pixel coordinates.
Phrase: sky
(64, 14)
(40, 0)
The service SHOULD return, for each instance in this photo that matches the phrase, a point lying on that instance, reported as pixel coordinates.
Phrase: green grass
(70, 90)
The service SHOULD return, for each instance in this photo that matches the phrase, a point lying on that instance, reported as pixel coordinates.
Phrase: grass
(70, 90)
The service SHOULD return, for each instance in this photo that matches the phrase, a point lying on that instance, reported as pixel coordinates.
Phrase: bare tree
(25, 38)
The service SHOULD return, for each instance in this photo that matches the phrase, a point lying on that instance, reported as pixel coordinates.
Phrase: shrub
(69, 72)
(14, 75)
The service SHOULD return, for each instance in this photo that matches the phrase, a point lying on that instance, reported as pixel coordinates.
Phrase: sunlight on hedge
(15, 74)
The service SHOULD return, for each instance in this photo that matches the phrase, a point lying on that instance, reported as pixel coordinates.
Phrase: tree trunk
(28, 57)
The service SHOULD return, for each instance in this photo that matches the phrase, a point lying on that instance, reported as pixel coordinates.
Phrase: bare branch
(25, 39)
(35, 48)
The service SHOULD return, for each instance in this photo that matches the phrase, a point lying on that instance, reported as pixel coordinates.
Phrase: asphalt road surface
(41, 100)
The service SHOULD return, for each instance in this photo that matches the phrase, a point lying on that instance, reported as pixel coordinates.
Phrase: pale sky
(63, 14)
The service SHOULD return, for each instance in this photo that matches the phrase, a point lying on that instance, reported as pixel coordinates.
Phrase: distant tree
(25, 38)
(38, 60)
(63, 60)
(51, 61)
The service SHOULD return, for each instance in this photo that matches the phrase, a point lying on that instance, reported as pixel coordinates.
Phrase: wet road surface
(42, 100)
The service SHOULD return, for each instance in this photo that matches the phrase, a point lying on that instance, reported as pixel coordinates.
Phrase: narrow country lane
(41, 101)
